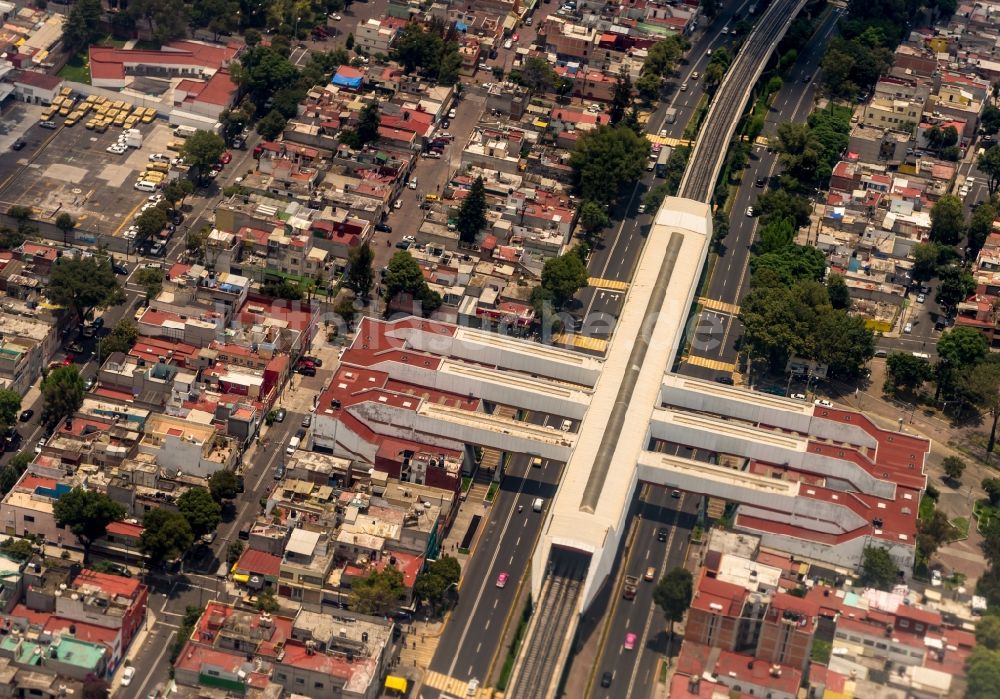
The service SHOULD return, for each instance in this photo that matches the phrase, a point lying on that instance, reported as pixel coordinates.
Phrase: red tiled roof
(259, 562)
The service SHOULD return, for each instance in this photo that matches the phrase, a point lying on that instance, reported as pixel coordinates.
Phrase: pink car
(502, 580)
(630, 641)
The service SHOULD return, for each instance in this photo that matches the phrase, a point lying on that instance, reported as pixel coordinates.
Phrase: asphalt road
(197, 585)
(716, 333)
(615, 257)
(633, 670)
(472, 638)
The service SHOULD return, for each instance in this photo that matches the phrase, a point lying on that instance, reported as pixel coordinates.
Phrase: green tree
(150, 279)
(988, 632)
(776, 235)
(234, 551)
(621, 99)
(202, 151)
(593, 217)
(947, 220)
(607, 159)
(780, 204)
(992, 488)
(271, 126)
(368, 123)
(200, 509)
(878, 569)
(840, 295)
(66, 224)
(434, 584)
(86, 513)
(94, 687)
(378, 594)
(962, 347)
(956, 285)
(932, 532)
(788, 266)
(82, 26)
(989, 120)
(176, 191)
(223, 485)
(359, 277)
(989, 164)
(980, 385)
(982, 674)
(472, 213)
(62, 393)
(980, 226)
(925, 261)
(953, 467)
(537, 75)
(843, 342)
(673, 594)
(18, 549)
(563, 276)
(906, 371)
(122, 338)
(166, 535)
(649, 86)
(261, 73)
(267, 602)
(150, 223)
(83, 285)
(10, 406)
(403, 276)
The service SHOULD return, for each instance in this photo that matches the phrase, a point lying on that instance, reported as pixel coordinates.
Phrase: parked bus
(661, 162)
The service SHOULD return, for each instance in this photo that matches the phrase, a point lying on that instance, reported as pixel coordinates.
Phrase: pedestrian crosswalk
(595, 344)
(614, 284)
(716, 364)
(668, 140)
(456, 687)
(721, 306)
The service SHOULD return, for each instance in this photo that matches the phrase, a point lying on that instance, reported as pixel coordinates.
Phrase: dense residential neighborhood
(507, 348)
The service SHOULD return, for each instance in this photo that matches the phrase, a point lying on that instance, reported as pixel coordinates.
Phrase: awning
(397, 683)
(241, 577)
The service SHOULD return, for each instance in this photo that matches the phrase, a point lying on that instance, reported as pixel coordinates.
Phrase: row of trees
(661, 60)
(810, 150)
(432, 51)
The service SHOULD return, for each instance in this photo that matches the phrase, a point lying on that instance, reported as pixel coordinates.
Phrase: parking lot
(68, 169)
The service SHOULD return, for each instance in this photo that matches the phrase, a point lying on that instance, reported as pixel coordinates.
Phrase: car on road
(508, 44)
(798, 396)
(119, 268)
(940, 325)
(383, 227)
(684, 86)
(88, 383)
(403, 244)
(279, 472)
(675, 494)
(159, 158)
(502, 580)
(128, 676)
(908, 328)
(642, 207)
(336, 18)
(212, 174)
(650, 574)
(663, 133)
(727, 380)
(606, 678)
(452, 113)
(226, 158)
(661, 534)
(823, 403)
(26, 415)
(307, 420)
(921, 298)
(630, 639)
(761, 181)
(936, 578)
(48, 125)
(412, 184)
(18, 144)
(409, 239)
(315, 360)
(694, 75)
(39, 445)
(279, 415)
(749, 211)
(157, 249)
(725, 30)
(398, 204)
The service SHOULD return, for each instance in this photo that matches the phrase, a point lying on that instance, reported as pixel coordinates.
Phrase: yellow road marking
(710, 363)
(613, 284)
(437, 680)
(668, 140)
(716, 305)
(596, 344)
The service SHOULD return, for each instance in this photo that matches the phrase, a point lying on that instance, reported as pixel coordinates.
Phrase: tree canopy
(223, 485)
(166, 535)
(906, 371)
(562, 277)
(62, 394)
(122, 338)
(947, 220)
(200, 509)
(378, 594)
(472, 213)
(878, 569)
(82, 26)
(434, 584)
(989, 164)
(84, 284)
(403, 276)
(607, 159)
(10, 406)
(86, 513)
(673, 594)
(359, 277)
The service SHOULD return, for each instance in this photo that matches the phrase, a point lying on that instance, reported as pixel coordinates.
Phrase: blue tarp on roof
(461, 26)
(341, 81)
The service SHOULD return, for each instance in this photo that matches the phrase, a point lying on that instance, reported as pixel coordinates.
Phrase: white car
(452, 113)
(413, 184)
(159, 158)
(663, 133)
(397, 204)
(725, 29)
(336, 18)
(38, 447)
(749, 211)
(409, 239)
(508, 44)
(117, 149)
(128, 675)
(908, 328)
(936, 578)
(823, 403)
(642, 208)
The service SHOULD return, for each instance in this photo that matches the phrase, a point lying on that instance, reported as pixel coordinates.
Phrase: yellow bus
(49, 113)
(175, 145)
(159, 167)
(72, 119)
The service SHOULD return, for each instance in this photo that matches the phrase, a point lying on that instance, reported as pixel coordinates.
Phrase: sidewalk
(133, 650)
(420, 639)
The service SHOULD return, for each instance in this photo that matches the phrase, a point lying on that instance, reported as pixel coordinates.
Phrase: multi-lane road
(634, 670)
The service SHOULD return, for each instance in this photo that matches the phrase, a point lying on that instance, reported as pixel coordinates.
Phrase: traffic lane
(479, 598)
(655, 645)
(657, 510)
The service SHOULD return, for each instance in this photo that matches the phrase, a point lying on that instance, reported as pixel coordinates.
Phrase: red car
(68, 359)
(226, 157)
(515, 37)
